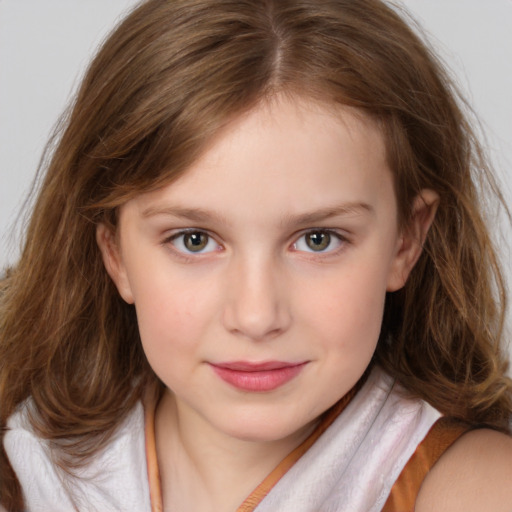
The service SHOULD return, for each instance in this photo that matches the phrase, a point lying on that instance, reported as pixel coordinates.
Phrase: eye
(193, 242)
(318, 241)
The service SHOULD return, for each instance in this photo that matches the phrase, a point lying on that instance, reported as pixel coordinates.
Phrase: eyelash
(191, 255)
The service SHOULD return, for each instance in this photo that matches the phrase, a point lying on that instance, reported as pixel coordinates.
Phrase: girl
(256, 276)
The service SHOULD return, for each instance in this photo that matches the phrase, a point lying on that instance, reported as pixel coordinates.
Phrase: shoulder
(30, 459)
(21, 436)
(113, 479)
(474, 475)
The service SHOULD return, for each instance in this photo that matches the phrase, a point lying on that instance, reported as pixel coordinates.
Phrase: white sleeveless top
(350, 468)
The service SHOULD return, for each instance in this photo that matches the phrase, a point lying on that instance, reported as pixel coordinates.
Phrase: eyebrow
(200, 215)
(348, 209)
(192, 214)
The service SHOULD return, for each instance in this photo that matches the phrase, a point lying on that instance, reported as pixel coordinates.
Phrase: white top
(351, 467)
(114, 480)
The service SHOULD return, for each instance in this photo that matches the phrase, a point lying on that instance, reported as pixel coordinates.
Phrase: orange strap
(150, 401)
(440, 437)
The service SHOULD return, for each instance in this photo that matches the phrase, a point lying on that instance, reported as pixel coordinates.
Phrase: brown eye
(318, 240)
(193, 242)
(196, 241)
(324, 241)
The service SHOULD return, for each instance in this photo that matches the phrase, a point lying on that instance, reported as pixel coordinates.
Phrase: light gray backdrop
(45, 45)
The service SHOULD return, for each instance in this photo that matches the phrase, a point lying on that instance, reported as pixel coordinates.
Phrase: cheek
(170, 329)
(349, 309)
(171, 313)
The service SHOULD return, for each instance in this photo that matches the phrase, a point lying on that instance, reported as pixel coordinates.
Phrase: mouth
(257, 377)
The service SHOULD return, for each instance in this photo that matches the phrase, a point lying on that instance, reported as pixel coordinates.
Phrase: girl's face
(259, 276)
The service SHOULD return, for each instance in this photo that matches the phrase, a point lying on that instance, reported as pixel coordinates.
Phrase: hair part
(165, 82)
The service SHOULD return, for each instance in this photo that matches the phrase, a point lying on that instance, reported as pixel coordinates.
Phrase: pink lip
(257, 377)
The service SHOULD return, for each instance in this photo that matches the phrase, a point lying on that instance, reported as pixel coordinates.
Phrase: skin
(287, 174)
(474, 475)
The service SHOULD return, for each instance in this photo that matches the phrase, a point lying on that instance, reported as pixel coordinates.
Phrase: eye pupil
(318, 241)
(195, 241)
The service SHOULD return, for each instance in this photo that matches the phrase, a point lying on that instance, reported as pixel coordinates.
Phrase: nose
(257, 305)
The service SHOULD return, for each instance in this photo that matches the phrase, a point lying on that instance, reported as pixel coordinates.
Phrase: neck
(196, 461)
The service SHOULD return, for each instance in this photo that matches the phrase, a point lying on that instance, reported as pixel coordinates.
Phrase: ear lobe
(113, 262)
(410, 244)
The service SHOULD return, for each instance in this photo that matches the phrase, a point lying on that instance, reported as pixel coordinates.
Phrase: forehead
(286, 154)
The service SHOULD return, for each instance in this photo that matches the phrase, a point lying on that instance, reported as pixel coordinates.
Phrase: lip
(257, 377)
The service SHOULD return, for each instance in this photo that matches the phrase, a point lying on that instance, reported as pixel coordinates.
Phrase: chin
(266, 430)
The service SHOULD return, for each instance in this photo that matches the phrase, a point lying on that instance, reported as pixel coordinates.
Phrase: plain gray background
(46, 44)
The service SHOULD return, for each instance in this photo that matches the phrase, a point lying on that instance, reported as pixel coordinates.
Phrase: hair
(162, 85)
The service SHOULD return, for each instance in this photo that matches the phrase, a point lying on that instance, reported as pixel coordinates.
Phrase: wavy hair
(168, 78)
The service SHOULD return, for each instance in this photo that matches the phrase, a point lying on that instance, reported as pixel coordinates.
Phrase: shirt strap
(440, 437)
(150, 401)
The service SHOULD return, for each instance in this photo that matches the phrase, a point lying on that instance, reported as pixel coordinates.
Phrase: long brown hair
(169, 77)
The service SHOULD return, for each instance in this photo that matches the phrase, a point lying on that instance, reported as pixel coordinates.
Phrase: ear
(412, 238)
(113, 261)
